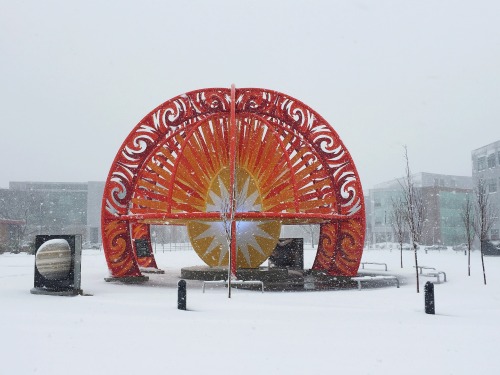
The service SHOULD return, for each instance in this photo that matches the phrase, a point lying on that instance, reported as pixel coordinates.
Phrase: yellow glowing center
(255, 239)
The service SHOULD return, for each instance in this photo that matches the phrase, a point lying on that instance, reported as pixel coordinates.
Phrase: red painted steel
(304, 173)
(238, 216)
(232, 173)
(142, 231)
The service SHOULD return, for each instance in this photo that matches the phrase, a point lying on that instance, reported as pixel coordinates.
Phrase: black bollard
(429, 298)
(181, 295)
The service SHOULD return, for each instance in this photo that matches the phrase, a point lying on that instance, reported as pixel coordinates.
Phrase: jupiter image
(53, 259)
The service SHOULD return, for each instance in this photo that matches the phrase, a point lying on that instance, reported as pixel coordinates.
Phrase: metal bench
(421, 268)
(436, 275)
(431, 273)
(360, 279)
(374, 263)
(233, 282)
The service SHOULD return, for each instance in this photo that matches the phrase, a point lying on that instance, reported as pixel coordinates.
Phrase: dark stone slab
(65, 293)
(127, 280)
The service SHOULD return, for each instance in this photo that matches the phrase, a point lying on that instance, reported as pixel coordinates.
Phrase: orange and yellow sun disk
(248, 160)
(255, 239)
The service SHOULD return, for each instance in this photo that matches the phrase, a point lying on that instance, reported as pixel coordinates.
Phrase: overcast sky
(77, 76)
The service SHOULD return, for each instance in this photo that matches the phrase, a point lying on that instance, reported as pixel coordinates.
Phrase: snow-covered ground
(134, 329)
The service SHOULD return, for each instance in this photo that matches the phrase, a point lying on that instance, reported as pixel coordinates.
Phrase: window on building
(491, 161)
(494, 234)
(481, 163)
(492, 185)
(94, 235)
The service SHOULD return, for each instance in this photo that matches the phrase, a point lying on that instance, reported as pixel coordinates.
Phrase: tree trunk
(482, 261)
(468, 262)
(401, 250)
(416, 267)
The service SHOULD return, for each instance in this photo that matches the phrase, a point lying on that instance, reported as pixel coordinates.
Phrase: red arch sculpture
(295, 160)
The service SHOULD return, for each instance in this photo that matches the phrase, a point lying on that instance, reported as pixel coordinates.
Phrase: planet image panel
(53, 259)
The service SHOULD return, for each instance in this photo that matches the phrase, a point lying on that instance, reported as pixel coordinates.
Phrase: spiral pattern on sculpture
(304, 133)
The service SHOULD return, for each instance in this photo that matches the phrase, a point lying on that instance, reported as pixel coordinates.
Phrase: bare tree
(485, 217)
(311, 230)
(414, 212)
(19, 207)
(227, 210)
(467, 216)
(398, 223)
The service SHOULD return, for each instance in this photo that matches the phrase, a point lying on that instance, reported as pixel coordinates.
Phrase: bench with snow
(374, 263)
(234, 282)
(421, 268)
(360, 279)
(431, 273)
(436, 275)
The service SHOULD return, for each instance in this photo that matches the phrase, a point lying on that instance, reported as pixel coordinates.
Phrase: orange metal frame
(162, 170)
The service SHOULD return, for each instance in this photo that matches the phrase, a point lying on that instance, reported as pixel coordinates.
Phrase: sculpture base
(151, 270)
(207, 273)
(278, 279)
(282, 279)
(66, 293)
(127, 280)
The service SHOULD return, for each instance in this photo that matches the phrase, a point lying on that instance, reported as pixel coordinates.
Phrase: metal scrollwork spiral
(150, 171)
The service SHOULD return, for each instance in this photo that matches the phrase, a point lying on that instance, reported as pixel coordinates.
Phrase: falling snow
(373, 331)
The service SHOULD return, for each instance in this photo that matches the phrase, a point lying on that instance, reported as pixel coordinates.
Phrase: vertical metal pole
(232, 190)
(233, 248)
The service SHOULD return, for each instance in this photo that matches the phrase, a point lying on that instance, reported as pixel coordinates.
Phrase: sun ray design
(253, 238)
(292, 169)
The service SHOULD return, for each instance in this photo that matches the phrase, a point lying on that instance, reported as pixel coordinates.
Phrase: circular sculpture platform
(282, 279)
(264, 274)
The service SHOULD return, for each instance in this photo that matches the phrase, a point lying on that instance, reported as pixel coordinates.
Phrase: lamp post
(386, 236)
(41, 218)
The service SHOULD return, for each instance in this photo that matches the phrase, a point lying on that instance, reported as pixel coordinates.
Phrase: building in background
(54, 208)
(486, 166)
(443, 197)
(369, 228)
(95, 190)
(10, 234)
(75, 208)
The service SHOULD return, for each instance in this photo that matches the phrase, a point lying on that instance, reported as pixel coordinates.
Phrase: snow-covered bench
(436, 275)
(234, 282)
(431, 273)
(421, 268)
(374, 263)
(360, 279)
